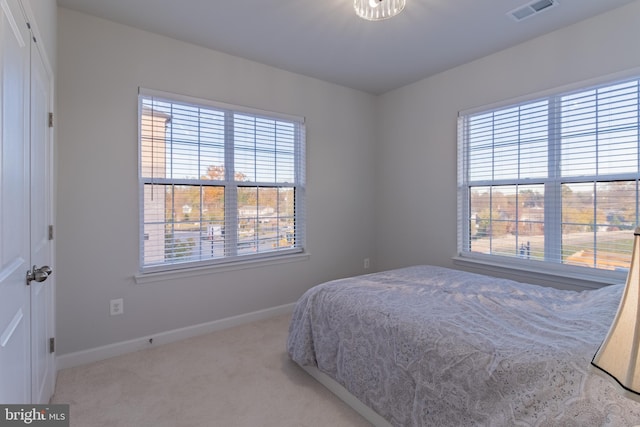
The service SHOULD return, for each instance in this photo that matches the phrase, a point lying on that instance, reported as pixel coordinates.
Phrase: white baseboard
(104, 352)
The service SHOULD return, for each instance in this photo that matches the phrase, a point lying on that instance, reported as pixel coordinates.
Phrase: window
(554, 180)
(218, 183)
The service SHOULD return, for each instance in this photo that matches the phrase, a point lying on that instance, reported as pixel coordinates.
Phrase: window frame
(232, 259)
(555, 272)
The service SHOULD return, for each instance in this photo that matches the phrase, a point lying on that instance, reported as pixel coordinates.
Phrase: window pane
(578, 131)
(508, 220)
(153, 126)
(480, 147)
(618, 107)
(264, 149)
(286, 217)
(509, 144)
(266, 218)
(480, 219)
(578, 224)
(578, 156)
(618, 152)
(616, 204)
(505, 144)
(248, 213)
(534, 140)
(531, 222)
(179, 219)
(155, 216)
(598, 224)
(211, 140)
(600, 131)
(244, 148)
(285, 152)
(213, 223)
(180, 141)
(184, 142)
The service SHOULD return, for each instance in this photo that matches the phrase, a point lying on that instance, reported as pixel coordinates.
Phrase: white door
(27, 371)
(15, 258)
(42, 359)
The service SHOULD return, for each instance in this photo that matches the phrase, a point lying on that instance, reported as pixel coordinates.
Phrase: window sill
(219, 268)
(562, 277)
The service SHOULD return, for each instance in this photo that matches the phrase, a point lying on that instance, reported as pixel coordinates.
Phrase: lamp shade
(617, 357)
(376, 10)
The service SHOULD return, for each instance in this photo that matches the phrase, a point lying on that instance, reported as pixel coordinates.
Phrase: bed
(431, 346)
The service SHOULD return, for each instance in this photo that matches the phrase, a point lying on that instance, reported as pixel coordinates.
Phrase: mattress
(430, 346)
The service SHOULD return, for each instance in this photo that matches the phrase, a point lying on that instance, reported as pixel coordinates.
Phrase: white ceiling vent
(532, 8)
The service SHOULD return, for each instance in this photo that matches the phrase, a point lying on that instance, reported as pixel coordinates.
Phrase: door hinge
(50, 120)
(52, 345)
(51, 232)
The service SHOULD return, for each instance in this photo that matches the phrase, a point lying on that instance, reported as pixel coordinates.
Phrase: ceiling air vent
(531, 8)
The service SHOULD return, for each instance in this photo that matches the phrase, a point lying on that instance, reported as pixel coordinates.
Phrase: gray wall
(417, 143)
(100, 66)
(381, 170)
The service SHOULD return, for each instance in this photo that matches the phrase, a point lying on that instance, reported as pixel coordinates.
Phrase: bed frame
(344, 395)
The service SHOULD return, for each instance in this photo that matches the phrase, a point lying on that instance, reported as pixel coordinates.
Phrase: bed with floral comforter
(430, 346)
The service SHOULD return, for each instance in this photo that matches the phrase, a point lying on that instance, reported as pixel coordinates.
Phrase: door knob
(38, 274)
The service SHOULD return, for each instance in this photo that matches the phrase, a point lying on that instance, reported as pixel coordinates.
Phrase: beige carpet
(236, 377)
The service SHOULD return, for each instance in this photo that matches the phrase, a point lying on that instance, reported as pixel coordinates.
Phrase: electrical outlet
(116, 306)
(366, 263)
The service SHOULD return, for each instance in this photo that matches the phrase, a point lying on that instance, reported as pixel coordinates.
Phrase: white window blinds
(219, 183)
(553, 179)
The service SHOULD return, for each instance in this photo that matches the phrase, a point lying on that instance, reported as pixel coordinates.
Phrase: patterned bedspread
(429, 346)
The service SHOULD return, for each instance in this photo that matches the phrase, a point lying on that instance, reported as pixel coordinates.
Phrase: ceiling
(324, 38)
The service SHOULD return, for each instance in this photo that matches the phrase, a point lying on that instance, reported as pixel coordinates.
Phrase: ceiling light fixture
(377, 10)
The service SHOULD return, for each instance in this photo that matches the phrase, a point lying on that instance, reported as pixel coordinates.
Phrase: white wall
(416, 151)
(100, 66)
(44, 14)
